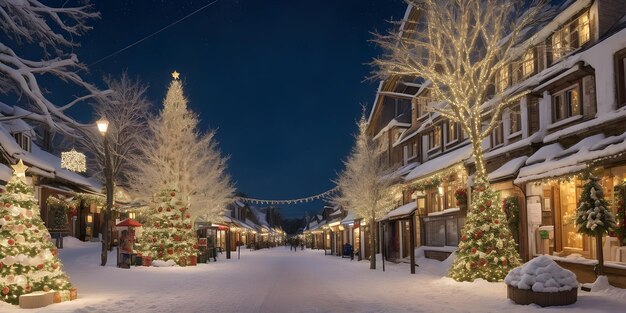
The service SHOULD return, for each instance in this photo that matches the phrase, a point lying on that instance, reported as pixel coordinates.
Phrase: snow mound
(601, 283)
(541, 274)
(161, 263)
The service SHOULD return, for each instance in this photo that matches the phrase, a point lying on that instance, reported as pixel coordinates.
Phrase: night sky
(281, 80)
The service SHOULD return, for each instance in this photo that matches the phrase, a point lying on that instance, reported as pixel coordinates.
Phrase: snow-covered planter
(543, 282)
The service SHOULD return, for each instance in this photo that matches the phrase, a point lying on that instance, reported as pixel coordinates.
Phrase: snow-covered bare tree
(126, 109)
(459, 46)
(30, 22)
(178, 157)
(364, 185)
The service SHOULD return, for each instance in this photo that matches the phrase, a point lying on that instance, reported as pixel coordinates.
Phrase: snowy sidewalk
(279, 280)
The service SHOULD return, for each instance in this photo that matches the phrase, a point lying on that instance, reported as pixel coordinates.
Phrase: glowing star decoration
(175, 75)
(74, 161)
(20, 169)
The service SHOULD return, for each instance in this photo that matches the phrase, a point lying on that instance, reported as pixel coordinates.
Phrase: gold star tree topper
(175, 74)
(19, 169)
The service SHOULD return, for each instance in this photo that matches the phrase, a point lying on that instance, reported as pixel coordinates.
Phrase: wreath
(620, 217)
(59, 210)
(510, 206)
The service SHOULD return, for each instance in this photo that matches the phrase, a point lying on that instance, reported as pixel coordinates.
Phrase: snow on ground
(279, 280)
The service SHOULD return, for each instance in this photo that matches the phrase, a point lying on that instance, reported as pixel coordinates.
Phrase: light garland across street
(318, 196)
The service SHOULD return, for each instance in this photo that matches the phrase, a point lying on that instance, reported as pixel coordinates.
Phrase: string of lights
(324, 195)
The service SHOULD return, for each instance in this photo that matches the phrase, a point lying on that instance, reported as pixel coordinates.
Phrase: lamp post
(103, 126)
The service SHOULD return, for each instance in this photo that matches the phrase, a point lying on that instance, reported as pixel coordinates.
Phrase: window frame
(620, 77)
(497, 132)
(562, 95)
(455, 130)
(515, 114)
(570, 36)
(527, 64)
(23, 140)
(432, 135)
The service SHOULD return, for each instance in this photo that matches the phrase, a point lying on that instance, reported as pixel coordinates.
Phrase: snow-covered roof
(575, 160)
(260, 216)
(5, 173)
(350, 217)
(440, 162)
(402, 171)
(401, 211)
(508, 169)
(393, 123)
(40, 162)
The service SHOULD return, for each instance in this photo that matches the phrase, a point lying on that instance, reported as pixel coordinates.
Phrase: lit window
(516, 120)
(453, 132)
(566, 103)
(497, 135)
(528, 63)
(434, 138)
(502, 78)
(571, 36)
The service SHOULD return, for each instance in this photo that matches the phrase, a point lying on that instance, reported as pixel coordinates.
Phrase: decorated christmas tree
(169, 234)
(28, 259)
(594, 217)
(487, 249)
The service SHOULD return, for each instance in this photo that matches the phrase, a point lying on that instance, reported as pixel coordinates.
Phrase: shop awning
(401, 212)
(440, 162)
(572, 160)
(508, 169)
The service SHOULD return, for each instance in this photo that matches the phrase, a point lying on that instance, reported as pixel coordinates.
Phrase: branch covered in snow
(31, 22)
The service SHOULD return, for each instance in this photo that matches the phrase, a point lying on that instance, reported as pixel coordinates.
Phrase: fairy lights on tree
(365, 186)
(459, 47)
(29, 262)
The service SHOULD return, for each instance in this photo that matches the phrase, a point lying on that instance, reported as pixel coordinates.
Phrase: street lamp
(103, 126)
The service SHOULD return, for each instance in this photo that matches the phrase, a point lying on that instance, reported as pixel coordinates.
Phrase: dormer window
(23, 140)
(571, 36)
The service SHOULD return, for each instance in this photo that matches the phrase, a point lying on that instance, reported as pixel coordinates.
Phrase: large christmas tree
(169, 234)
(487, 249)
(594, 217)
(28, 259)
(178, 169)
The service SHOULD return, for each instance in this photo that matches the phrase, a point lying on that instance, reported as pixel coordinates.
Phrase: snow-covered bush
(541, 274)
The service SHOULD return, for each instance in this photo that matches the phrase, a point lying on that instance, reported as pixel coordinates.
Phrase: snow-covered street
(279, 280)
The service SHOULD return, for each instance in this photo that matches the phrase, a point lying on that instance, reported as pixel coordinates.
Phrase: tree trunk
(479, 160)
(600, 269)
(372, 243)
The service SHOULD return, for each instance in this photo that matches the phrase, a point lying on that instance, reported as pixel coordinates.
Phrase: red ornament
(176, 238)
(187, 216)
(160, 209)
(482, 208)
(473, 250)
(8, 205)
(188, 226)
(7, 218)
(488, 203)
(29, 225)
(11, 242)
(482, 262)
(172, 194)
(5, 290)
(55, 266)
(195, 247)
(40, 266)
(170, 251)
(168, 209)
(54, 252)
(504, 262)
(28, 288)
(463, 238)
